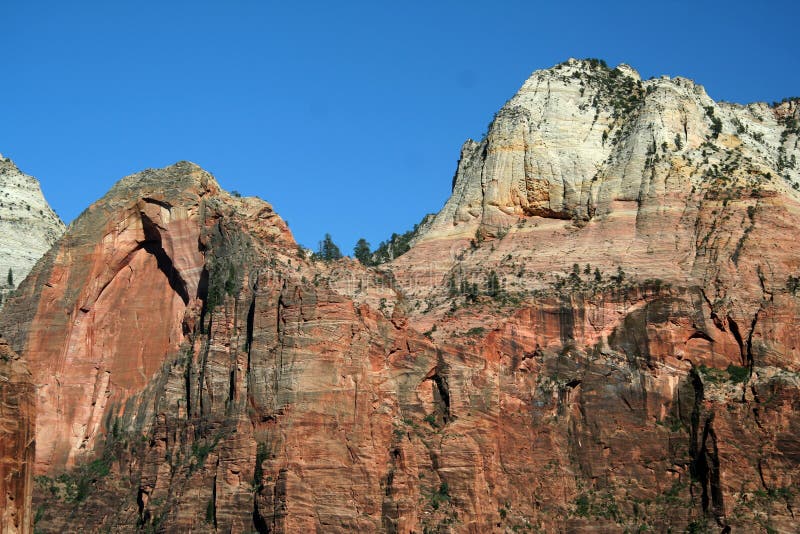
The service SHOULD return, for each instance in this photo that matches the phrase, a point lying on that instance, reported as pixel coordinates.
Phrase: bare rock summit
(28, 225)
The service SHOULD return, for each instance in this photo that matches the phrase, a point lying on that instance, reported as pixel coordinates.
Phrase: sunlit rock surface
(598, 332)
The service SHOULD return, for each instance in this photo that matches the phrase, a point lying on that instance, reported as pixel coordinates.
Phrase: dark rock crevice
(251, 315)
(153, 245)
(705, 465)
(737, 335)
(441, 397)
(259, 523)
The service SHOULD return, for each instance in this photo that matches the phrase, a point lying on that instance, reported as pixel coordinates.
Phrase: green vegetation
(10, 278)
(470, 291)
(362, 252)
(775, 494)
(258, 472)
(597, 63)
(211, 512)
(441, 496)
(75, 485)
(200, 452)
(459, 285)
(593, 281)
(395, 246)
(784, 100)
(591, 505)
(699, 526)
(582, 506)
(328, 250)
(477, 331)
(674, 424)
(38, 515)
(493, 285)
(624, 93)
(619, 277)
(716, 123)
(733, 373)
(738, 374)
(793, 284)
(575, 275)
(224, 283)
(231, 250)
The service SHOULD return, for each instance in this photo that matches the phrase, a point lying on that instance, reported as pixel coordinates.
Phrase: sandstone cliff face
(28, 226)
(17, 427)
(195, 373)
(580, 140)
(591, 165)
(591, 185)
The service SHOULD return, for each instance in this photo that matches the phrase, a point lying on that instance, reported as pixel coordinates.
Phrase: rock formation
(17, 427)
(597, 333)
(28, 226)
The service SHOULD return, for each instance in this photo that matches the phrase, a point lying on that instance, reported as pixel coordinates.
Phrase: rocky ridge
(28, 226)
(597, 333)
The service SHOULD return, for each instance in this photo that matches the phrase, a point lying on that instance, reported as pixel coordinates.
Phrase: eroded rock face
(17, 427)
(580, 140)
(112, 297)
(196, 373)
(28, 226)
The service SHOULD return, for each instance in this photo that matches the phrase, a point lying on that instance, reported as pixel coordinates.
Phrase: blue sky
(347, 116)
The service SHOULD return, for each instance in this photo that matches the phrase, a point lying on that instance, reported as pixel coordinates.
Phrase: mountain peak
(28, 226)
(178, 176)
(579, 138)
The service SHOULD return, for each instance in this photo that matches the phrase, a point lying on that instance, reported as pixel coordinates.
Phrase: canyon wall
(598, 332)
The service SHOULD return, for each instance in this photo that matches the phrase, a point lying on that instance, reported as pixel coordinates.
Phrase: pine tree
(362, 252)
(328, 251)
(10, 278)
(575, 275)
(493, 285)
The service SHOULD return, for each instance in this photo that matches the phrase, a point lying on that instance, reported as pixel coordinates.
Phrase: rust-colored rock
(17, 425)
(555, 353)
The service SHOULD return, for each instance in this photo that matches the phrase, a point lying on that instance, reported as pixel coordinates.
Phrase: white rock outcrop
(28, 226)
(581, 136)
(589, 165)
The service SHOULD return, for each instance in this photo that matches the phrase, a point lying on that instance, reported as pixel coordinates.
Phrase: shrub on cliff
(793, 284)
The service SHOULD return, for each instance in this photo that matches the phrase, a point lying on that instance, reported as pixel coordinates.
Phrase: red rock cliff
(17, 426)
(597, 333)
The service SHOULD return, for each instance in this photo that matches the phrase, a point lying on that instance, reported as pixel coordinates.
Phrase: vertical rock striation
(17, 427)
(598, 332)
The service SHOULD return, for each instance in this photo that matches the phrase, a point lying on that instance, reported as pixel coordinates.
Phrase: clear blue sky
(347, 116)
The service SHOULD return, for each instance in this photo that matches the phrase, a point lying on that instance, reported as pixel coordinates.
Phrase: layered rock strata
(597, 333)
(28, 226)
